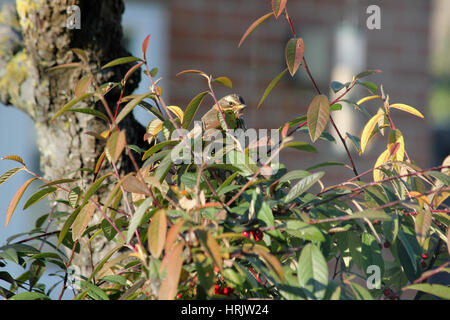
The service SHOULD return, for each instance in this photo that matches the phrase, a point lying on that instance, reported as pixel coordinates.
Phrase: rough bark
(27, 84)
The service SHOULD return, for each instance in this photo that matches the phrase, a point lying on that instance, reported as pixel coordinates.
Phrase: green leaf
(371, 253)
(326, 164)
(94, 187)
(356, 142)
(10, 254)
(131, 105)
(158, 147)
(336, 107)
(8, 174)
(303, 146)
(253, 26)
(65, 228)
(95, 292)
(371, 214)
(438, 290)
(270, 87)
(225, 81)
(151, 109)
(366, 73)
(70, 104)
(360, 292)
(295, 174)
(115, 279)
(137, 217)
(38, 196)
(318, 116)
(303, 230)
(30, 296)
(192, 108)
(372, 87)
(312, 272)
(294, 52)
(303, 185)
(92, 112)
(164, 167)
(120, 61)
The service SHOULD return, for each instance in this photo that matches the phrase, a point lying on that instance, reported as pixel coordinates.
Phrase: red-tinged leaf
(145, 47)
(14, 158)
(294, 52)
(82, 85)
(157, 231)
(116, 143)
(284, 131)
(318, 116)
(134, 185)
(278, 7)
(172, 235)
(15, 200)
(66, 66)
(172, 263)
(131, 71)
(253, 27)
(81, 54)
(193, 71)
(82, 220)
(270, 87)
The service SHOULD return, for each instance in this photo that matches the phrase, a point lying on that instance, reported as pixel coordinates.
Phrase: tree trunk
(27, 84)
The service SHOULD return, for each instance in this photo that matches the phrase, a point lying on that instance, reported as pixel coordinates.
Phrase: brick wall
(204, 35)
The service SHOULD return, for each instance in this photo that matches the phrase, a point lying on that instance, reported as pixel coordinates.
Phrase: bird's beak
(239, 107)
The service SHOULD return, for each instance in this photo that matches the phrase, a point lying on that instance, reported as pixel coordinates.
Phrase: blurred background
(411, 49)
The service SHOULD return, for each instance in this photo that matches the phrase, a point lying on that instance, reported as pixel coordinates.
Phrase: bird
(232, 103)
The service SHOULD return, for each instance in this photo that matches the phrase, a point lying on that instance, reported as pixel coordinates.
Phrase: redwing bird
(232, 103)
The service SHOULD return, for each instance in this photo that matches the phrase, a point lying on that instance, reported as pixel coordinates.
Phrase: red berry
(258, 235)
(424, 256)
(225, 291)
(387, 292)
(245, 234)
(387, 244)
(216, 269)
(179, 296)
(423, 264)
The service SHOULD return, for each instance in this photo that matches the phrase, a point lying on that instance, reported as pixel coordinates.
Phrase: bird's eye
(230, 103)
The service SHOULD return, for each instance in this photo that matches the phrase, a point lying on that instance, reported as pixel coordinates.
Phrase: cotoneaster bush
(238, 226)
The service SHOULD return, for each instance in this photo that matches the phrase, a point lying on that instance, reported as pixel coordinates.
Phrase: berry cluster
(423, 264)
(388, 293)
(222, 291)
(257, 234)
(409, 213)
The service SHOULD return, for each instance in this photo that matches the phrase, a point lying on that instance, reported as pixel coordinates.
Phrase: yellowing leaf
(406, 108)
(172, 235)
(272, 263)
(116, 143)
(157, 233)
(422, 225)
(382, 159)
(368, 99)
(420, 197)
(211, 247)
(172, 263)
(318, 116)
(14, 158)
(15, 200)
(367, 131)
(396, 138)
(154, 127)
(82, 220)
(177, 111)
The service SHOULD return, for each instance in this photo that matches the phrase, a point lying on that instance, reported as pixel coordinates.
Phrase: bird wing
(210, 120)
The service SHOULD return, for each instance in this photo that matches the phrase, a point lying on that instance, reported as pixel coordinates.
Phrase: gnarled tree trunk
(38, 38)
